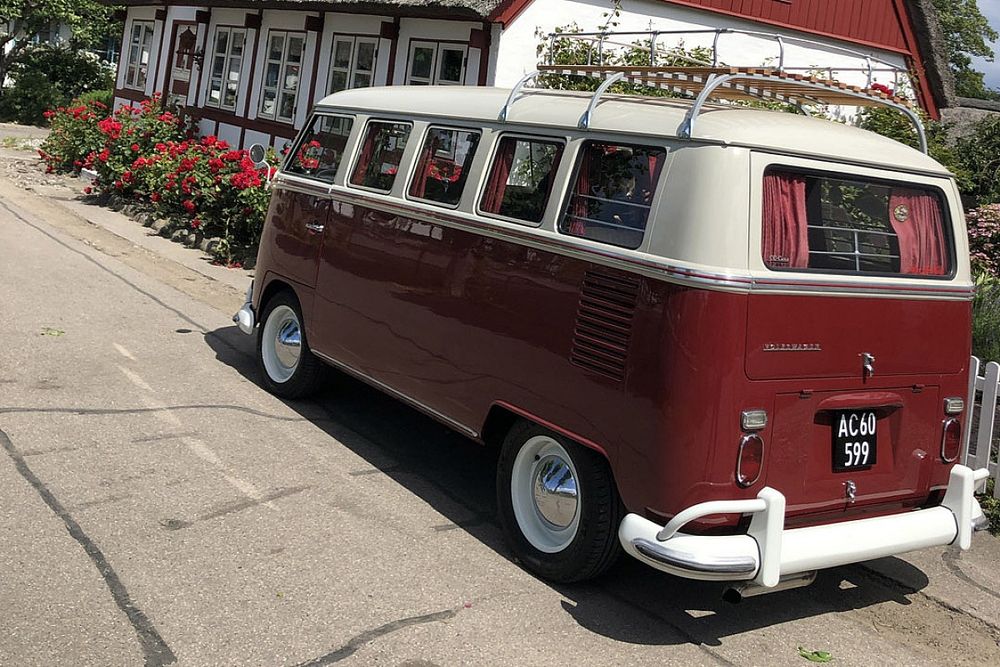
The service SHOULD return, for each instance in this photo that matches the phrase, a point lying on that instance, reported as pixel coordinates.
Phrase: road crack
(154, 648)
(359, 640)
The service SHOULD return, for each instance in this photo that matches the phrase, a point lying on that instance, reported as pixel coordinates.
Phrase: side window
(841, 225)
(612, 193)
(521, 178)
(443, 166)
(227, 61)
(381, 152)
(321, 149)
(280, 82)
(352, 63)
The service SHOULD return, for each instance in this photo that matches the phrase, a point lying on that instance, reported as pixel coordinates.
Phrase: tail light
(750, 460)
(951, 441)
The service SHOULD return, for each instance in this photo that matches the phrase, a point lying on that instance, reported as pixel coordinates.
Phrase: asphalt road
(158, 507)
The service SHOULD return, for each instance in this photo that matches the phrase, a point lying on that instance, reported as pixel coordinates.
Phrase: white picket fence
(977, 452)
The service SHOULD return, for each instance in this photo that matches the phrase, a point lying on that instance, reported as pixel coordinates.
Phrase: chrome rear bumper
(244, 317)
(768, 553)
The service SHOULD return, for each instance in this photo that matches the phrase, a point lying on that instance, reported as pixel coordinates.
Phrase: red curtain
(419, 187)
(578, 227)
(367, 151)
(916, 218)
(785, 242)
(497, 185)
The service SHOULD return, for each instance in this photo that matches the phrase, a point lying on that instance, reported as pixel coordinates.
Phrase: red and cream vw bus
(739, 355)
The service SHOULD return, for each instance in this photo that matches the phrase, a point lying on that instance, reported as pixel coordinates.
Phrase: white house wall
(519, 41)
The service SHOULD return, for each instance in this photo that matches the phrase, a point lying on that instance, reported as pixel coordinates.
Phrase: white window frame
(136, 57)
(227, 60)
(283, 63)
(352, 70)
(435, 77)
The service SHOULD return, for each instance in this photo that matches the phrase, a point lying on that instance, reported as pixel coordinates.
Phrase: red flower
(135, 148)
(87, 190)
(104, 155)
(127, 177)
(196, 223)
(155, 197)
(188, 205)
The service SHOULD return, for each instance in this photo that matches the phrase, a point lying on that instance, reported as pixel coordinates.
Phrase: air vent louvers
(604, 323)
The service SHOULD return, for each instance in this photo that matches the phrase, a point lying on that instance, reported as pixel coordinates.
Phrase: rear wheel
(558, 503)
(288, 367)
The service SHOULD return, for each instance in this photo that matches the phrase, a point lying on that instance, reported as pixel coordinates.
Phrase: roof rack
(704, 80)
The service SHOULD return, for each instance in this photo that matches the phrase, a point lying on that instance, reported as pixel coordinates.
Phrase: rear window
(840, 225)
(612, 193)
(521, 178)
(381, 153)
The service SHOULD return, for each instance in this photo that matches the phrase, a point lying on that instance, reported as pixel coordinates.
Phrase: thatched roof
(933, 51)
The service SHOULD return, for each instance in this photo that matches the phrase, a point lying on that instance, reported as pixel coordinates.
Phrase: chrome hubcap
(288, 343)
(554, 491)
(281, 343)
(544, 494)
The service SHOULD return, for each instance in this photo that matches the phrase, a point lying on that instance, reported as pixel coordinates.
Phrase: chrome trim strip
(301, 185)
(672, 557)
(364, 377)
(648, 265)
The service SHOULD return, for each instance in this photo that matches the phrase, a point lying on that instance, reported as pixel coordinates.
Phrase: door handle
(315, 227)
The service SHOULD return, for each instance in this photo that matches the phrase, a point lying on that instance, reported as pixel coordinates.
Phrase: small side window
(443, 165)
(381, 153)
(612, 193)
(521, 178)
(321, 149)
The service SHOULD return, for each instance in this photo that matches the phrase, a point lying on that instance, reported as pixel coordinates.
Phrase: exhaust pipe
(736, 593)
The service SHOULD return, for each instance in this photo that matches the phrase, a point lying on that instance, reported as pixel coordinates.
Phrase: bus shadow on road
(631, 603)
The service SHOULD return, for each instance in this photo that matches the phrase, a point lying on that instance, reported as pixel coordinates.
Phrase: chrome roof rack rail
(514, 92)
(729, 84)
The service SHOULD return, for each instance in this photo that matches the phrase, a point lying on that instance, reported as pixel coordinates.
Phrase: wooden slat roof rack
(725, 83)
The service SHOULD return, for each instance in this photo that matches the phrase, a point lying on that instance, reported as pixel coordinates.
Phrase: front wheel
(559, 506)
(288, 366)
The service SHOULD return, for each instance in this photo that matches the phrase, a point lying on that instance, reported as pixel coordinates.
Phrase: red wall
(873, 22)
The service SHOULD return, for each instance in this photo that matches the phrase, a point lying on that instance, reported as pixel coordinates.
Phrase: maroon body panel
(653, 374)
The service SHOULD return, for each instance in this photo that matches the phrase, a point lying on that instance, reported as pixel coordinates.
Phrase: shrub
(75, 137)
(48, 77)
(980, 154)
(147, 154)
(105, 97)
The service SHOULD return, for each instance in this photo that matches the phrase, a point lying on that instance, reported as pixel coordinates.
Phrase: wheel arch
(503, 415)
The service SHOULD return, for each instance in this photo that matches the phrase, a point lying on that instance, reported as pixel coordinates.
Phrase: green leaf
(815, 656)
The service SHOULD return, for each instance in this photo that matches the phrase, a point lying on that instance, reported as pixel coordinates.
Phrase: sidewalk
(967, 583)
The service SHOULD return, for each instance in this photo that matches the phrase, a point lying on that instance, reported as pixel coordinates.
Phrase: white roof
(659, 117)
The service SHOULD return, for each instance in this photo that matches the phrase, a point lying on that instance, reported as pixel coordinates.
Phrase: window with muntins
(321, 149)
(137, 64)
(520, 178)
(612, 193)
(352, 64)
(282, 74)
(381, 153)
(433, 63)
(443, 166)
(841, 225)
(227, 61)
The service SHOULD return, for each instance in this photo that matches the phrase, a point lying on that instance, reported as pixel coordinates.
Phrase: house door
(182, 57)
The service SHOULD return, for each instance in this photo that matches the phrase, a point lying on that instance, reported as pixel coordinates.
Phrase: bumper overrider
(244, 317)
(768, 554)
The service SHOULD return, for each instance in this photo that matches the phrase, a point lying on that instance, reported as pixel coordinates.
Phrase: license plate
(854, 439)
